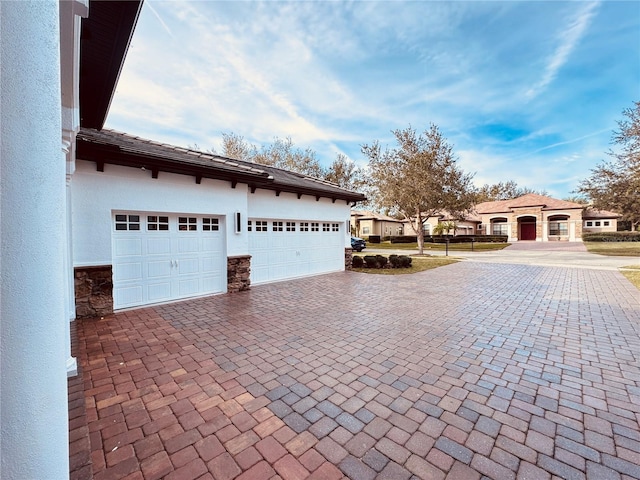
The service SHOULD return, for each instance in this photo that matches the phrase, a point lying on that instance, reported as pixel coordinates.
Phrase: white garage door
(157, 258)
(282, 249)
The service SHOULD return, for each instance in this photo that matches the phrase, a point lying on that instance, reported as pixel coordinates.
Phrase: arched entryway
(527, 228)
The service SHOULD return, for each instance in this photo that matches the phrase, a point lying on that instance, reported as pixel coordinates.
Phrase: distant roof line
(524, 201)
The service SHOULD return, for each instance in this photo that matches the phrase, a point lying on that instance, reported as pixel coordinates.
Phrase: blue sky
(524, 91)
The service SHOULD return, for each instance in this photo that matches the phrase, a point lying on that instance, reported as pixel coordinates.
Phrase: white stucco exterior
(265, 204)
(97, 195)
(33, 292)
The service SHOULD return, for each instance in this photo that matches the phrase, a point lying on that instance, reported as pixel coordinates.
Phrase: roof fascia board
(103, 153)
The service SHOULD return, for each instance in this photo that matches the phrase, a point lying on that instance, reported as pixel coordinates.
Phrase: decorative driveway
(474, 370)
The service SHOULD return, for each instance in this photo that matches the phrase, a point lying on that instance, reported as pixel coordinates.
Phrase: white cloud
(335, 75)
(568, 40)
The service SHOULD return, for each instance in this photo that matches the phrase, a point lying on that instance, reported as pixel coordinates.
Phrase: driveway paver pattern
(470, 371)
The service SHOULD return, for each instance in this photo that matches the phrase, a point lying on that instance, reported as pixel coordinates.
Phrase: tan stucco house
(532, 217)
(597, 221)
(365, 223)
(466, 226)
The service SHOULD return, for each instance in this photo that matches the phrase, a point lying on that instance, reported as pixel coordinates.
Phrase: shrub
(405, 261)
(404, 239)
(492, 238)
(370, 261)
(374, 239)
(611, 237)
(380, 261)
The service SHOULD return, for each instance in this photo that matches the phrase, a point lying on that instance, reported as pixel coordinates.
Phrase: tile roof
(368, 214)
(595, 213)
(528, 200)
(111, 147)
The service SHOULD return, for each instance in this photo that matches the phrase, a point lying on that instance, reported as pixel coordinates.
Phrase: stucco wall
(612, 227)
(264, 204)
(97, 194)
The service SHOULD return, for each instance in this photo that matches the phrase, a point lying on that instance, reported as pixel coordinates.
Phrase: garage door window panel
(210, 224)
(157, 223)
(127, 222)
(187, 224)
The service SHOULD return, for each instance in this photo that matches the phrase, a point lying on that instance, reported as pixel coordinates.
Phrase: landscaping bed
(400, 265)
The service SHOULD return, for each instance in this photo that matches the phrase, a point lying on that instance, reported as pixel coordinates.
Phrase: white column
(545, 231)
(572, 230)
(33, 381)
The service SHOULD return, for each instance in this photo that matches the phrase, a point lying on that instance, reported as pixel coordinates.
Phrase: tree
(615, 184)
(419, 178)
(283, 154)
(503, 191)
(347, 174)
(343, 172)
(280, 154)
(445, 227)
(235, 146)
(577, 199)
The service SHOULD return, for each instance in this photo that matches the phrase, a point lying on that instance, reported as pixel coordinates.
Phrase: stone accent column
(93, 288)
(238, 273)
(33, 385)
(348, 258)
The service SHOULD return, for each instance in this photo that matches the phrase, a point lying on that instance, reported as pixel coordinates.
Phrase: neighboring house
(130, 222)
(531, 217)
(365, 223)
(596, 221)
(466, 226)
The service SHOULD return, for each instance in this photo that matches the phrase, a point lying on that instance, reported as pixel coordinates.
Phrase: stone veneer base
(238, 273)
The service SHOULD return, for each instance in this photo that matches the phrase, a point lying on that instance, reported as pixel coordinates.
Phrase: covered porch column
(33, 288)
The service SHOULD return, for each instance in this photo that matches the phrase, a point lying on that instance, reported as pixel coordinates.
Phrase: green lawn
(622, 249)
(632, 272)
(453, 247)
(418, 264)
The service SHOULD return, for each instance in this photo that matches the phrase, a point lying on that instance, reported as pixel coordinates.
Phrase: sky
(523, 91)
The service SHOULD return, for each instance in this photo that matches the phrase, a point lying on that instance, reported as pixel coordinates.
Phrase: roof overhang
(106, 147)
(104, 40)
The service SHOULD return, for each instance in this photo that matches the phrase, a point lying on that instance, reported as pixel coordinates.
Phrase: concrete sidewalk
(551, 254)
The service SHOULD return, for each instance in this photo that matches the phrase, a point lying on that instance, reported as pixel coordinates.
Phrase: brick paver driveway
(468, 371)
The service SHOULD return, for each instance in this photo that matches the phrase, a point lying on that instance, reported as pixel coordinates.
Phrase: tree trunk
(420, 232)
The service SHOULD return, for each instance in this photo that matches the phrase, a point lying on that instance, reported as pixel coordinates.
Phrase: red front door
(528, 231)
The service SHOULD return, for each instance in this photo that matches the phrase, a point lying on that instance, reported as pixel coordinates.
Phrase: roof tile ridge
(190, 151)
(304, 175)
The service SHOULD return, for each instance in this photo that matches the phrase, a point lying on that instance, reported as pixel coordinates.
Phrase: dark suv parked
(358, 244)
